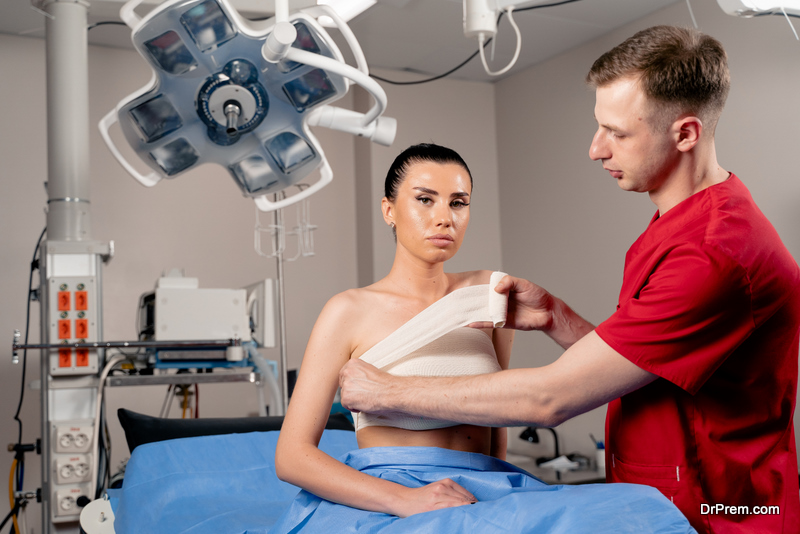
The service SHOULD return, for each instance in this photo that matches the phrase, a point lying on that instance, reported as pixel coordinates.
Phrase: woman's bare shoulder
(354, 301)
(469, 278)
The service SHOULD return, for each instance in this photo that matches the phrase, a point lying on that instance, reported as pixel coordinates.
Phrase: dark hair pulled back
(420, 153)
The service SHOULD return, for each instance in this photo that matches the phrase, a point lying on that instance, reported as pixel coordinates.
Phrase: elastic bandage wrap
(434, 343)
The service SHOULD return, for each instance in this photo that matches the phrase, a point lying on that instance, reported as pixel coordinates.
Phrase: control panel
(73, 319)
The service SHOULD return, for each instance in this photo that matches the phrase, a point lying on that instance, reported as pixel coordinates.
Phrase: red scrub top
(710, 302)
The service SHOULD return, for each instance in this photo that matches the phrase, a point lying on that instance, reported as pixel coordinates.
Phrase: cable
(542, 6)
(777, 14)
(11, 500)
(470, 58)
(27, 326)
(105, 22)
(18, 467)
(785, 14)
(691, 13)
(114, 360)
(185, 401)
(481, 48)
(440, 76)
(11, 514)
(163, 411)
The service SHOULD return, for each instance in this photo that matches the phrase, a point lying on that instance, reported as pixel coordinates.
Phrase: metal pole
(68, 217)
(278, 219)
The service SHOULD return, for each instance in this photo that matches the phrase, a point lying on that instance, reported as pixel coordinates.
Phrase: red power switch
(65, 357)
(81, 301)
(64, 300)
(82, 357)
(82, 328)
(64, 329)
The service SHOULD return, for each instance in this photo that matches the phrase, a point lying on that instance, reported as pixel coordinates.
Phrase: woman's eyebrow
(426, 190)
(459, 194)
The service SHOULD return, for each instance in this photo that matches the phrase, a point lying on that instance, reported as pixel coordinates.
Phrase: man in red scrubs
(699, 361)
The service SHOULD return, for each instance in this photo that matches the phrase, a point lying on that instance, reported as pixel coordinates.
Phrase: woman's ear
(387, 208)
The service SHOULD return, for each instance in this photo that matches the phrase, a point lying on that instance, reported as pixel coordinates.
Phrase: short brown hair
(681, 68)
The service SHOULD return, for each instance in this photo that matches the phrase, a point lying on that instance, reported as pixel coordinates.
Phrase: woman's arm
(502, 340)
(298, 459)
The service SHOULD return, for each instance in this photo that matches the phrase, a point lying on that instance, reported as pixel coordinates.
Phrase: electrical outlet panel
(65, 504)
(72, 468)
(72, 438)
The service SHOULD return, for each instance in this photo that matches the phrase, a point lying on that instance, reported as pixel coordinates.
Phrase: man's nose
(599, 148)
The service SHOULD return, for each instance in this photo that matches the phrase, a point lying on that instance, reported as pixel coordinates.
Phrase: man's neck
(697, 171)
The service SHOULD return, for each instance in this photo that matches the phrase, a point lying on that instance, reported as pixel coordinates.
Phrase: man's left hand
(364, 387)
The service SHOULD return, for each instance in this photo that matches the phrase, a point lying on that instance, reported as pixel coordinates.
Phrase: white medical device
(241, 94)
(752, 8)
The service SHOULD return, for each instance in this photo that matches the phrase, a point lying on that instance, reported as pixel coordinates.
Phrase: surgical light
(751, 8)
(347, 9)
(241, 94)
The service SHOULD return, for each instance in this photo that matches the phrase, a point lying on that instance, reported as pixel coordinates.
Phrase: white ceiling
(420, 36)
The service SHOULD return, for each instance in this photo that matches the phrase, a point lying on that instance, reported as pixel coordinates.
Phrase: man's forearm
(566, 327)
(506, 398)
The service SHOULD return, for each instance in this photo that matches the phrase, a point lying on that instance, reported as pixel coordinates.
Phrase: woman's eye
(458, 204)
(424, 200)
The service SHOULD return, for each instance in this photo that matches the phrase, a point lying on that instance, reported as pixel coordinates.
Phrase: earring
(391, 224)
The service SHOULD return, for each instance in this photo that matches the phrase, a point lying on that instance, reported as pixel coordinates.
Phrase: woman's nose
(444, 216)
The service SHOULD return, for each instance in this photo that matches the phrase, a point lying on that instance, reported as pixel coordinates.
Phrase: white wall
(567, 226)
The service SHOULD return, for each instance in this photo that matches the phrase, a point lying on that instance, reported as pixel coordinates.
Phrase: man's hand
(442, 494)
(365, 388)
(530, 307)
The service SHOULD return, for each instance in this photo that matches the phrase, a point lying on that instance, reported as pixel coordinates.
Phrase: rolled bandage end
(498, 302)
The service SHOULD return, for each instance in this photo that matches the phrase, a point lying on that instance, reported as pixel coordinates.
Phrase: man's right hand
(531, 307)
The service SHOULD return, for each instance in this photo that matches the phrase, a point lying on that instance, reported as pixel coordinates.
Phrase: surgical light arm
(291, 85)
(751, 8)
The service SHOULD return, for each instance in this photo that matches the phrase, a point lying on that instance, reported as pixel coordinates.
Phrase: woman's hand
(442, 494)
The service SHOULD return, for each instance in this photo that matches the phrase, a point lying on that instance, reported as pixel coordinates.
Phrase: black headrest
(140, 429)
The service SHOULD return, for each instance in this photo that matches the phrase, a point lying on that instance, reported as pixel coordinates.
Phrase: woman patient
(405, 466)
(427, 204)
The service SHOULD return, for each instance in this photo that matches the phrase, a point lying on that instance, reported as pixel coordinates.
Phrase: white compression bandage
(454, 356)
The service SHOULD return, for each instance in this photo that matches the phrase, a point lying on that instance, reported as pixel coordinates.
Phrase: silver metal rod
(209, 344)
(183, 379)
(278, 215)
(67, 121)
(232, 113)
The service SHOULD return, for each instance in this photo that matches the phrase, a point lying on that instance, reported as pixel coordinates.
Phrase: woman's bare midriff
(468, 438)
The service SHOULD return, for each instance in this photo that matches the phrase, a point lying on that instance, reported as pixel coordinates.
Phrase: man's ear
(688, 131)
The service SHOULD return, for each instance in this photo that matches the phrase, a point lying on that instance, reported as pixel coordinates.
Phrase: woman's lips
(441, 240)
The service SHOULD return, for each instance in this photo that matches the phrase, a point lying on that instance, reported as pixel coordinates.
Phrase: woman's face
(431, 210)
